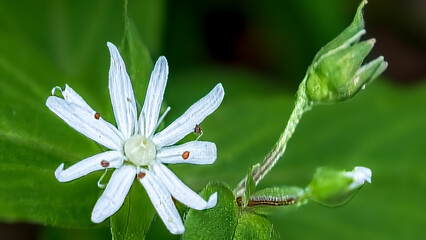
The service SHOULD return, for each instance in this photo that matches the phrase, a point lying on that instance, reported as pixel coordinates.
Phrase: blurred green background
(259, 50)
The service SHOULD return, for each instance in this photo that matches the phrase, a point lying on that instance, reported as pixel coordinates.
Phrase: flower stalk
(260, 170)
(336, 74)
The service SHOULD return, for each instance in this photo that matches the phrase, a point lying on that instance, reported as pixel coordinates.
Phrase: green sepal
(134, 218)
(352, 30)
(333, 79)
(330, 187)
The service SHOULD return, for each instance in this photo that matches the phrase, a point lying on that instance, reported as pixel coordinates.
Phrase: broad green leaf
(66, 43)
(33, 143)
(250, 186)
(137, 58)
(254, 226)
(133, 219)
(218, 222)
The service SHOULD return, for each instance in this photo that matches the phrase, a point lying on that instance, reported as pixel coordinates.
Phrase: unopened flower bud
(334, 187)
(336, 73)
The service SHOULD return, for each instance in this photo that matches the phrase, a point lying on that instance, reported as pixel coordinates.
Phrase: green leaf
(137, 58)
(266, 200)
(33, 143)
(218, 222)
(250, 186)
(66, 45)
(254, 226)
(282, 195)
(134, 218)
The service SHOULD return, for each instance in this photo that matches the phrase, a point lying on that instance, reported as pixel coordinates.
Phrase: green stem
(261, 169)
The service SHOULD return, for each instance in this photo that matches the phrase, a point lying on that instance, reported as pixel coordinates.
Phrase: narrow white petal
(180, 191)
(359, 175)
(363, 174)
(111, 159)
(122, 96)
(87, 123)
(195, 152)
(194, 115)
(71, 96)
(162, 201)
(114, 194)
(154, 97)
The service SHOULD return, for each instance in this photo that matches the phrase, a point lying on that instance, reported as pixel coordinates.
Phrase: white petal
(194, 115)
(122, 96)
(154, 97)
(363, 174)
(114, 194)
(180, 191)
(359, 175)
(197, 152)
(88, 165)
(71, 96)
(85, 122)
(162, 201)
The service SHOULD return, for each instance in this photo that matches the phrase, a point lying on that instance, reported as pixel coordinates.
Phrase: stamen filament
(159, 121)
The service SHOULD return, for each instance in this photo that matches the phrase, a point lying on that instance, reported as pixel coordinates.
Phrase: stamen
(54, 90)
(97, 116)
(198, 131)
(185, 155)
(101, 185)
(144, 123)
(141, 175)
(160, 120)
(134, 116)
(104, 163)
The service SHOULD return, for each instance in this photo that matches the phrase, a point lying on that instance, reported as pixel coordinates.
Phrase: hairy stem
(261, 169)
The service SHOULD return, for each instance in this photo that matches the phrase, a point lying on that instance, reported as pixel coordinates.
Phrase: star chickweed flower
(135, 150)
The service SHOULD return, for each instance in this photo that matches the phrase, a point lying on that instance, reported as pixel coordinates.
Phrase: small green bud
(336, 73)
(333, 187)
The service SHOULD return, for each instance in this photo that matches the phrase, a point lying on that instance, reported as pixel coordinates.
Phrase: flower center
(140, 150)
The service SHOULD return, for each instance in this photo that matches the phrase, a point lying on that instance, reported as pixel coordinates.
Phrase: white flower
(359, 175)
(135, 149)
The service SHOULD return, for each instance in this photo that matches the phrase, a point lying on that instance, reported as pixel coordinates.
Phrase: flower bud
(333, 187)
(336, 73)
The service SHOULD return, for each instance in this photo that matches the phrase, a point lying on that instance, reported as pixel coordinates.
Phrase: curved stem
(261, 169)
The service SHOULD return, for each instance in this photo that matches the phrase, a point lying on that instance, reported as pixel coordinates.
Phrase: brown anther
(104, 163)
(129, 100)
(141, 175)
(97, 116)
(197, 129)
(185, 155)
(239, 201)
